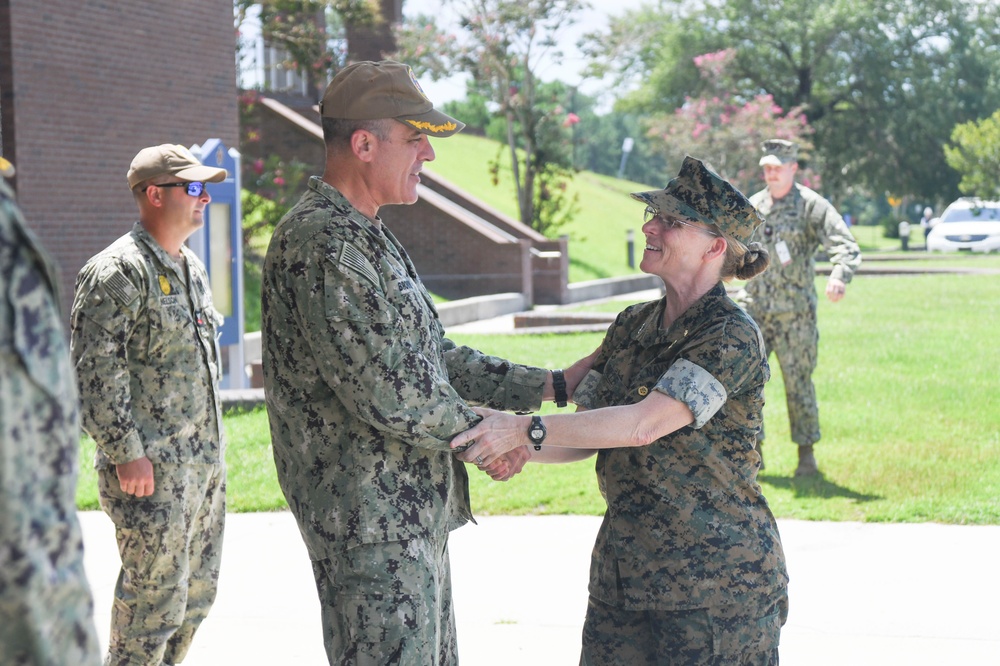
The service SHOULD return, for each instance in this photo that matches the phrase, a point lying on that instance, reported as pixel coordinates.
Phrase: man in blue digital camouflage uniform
(783, 299)
(363, 390)
(144, 344)
(46, 609)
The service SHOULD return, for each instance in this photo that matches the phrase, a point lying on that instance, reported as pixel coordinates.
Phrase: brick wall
(453, 256)
(91, 82)
(549, 264)
(550, 270)
(291, 142)
(278, 133)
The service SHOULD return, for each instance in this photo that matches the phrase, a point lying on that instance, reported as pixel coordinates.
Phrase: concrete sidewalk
(861, 594)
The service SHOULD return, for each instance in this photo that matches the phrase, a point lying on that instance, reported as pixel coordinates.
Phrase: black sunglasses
(194, 188)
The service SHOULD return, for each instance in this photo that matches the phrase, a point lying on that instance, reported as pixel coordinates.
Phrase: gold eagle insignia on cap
(164, 285)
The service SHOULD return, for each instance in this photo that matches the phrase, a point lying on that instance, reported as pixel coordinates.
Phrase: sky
(567, 70)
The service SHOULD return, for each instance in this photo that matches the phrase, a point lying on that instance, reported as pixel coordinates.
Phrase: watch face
(537, 433)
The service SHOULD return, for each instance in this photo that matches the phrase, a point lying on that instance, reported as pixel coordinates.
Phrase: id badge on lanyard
(784, 256)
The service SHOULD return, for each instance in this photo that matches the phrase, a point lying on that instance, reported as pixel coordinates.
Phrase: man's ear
(153, 196)
(363, 145)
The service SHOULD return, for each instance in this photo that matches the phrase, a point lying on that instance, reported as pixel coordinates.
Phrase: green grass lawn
(909, 407)
(597, 247)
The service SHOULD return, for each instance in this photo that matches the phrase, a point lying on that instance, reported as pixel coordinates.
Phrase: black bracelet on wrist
(559, 385)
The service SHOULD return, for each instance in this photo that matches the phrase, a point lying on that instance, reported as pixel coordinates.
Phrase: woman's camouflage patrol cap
(386, 89)
(701, 195)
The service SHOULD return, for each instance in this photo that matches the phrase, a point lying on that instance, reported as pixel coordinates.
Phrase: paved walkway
(861, 594)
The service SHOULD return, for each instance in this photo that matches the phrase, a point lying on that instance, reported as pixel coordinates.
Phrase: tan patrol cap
(171, 160)
(386, 89)
(778, 152)
(701, 195)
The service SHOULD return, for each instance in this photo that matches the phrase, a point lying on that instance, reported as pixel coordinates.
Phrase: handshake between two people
(499, 444)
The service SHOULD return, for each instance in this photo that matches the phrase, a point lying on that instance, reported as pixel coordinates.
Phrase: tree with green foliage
(726, 131)
(317, 35)
(881, 83)
(598, 143)
(553, 207)
(270, 184)
(975, 155)
(320, 36)
(500, 46)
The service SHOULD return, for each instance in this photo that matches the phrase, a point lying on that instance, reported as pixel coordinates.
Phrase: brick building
(84, 85)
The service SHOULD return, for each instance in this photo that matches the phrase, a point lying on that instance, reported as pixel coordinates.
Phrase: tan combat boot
(807, 462)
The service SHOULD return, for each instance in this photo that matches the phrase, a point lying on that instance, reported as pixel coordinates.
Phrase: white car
(968, 224)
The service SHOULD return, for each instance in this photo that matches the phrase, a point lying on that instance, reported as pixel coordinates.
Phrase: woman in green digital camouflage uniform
(688, 566)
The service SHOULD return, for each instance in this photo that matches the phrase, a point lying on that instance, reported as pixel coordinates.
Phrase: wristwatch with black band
(536, 432)
(559, 386)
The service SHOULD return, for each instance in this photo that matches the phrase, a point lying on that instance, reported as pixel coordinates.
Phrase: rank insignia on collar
(164, 285)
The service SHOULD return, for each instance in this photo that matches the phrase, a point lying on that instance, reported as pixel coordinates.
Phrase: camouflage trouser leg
(46, 616)
(388, 603)
(794, 339)
(702, 637)
(171, 546)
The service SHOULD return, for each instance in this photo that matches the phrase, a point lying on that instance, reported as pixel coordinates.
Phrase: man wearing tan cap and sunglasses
(144, 344)
(363, 390)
